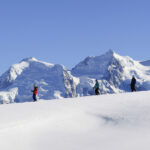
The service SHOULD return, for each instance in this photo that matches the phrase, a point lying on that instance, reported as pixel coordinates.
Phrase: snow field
(115, 122)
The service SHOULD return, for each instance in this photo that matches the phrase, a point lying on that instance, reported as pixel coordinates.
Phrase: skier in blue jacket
(96, 87)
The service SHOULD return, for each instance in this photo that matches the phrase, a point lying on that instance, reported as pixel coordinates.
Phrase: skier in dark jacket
(96, 87)
(35, 91)
(133, 82)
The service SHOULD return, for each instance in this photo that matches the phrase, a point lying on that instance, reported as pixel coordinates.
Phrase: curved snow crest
(29, 59)
(33, 59)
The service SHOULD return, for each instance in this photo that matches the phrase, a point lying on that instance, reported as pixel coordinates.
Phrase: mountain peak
(29, 59)
(100, 64)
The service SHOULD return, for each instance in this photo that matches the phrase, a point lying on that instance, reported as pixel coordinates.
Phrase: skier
(35, 91)
(96, 87)
(133, 82)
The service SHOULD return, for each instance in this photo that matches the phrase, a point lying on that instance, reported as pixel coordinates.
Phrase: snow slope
(106, 122)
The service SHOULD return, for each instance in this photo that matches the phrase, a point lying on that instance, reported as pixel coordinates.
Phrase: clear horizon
(67, 31)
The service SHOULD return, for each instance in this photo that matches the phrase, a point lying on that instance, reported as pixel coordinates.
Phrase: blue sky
(67, 31)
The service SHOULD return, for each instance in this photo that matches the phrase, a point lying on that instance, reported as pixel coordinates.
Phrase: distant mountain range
(114, 73)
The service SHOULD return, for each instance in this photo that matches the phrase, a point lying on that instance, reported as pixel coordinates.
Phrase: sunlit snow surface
(105, 122)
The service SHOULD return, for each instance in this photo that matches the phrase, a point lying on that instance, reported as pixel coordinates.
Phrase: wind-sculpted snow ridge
(114, 73)
(54, 81)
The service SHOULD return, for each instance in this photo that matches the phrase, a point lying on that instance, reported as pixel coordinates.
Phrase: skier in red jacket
(35, 91)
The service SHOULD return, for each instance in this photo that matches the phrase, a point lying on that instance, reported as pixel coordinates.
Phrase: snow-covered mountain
(114, 73)
(54, 81)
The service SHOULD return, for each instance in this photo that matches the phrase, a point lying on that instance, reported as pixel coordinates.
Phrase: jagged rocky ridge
(114, 73)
